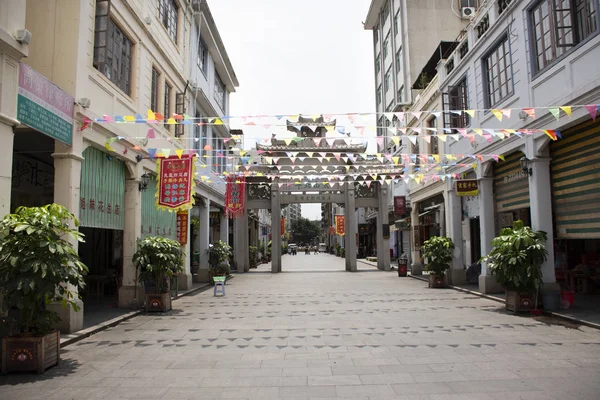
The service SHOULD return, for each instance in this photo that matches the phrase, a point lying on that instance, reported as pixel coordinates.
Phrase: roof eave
(372, 17)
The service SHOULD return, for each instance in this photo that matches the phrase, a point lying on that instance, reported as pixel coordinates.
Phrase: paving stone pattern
(326, 334)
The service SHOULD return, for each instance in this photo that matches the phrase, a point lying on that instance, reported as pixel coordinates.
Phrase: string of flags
(501, 114)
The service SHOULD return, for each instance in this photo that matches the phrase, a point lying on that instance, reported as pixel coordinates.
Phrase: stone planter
(30, 353)
(158, 302)
(519, 301)
(437, 281)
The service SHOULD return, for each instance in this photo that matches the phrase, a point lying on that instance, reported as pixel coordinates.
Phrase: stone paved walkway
(325, 335)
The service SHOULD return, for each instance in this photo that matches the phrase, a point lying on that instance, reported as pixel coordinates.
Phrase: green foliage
(305, 231)
(517, 256)
(253, 254)
(37, 265)
(195, 224)
(218, 253)
(438, 251)
(158, 259)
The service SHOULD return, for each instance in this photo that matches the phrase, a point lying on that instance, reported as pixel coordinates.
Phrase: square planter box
(520, 301)
(437, 281)
(158, 302)
(30, 353)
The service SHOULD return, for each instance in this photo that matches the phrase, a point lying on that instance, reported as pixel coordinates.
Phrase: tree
(305, 231)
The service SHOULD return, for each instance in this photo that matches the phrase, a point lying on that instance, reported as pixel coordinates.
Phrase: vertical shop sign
(235, 193)
(340, 225)
(400, 206)
(182, 227)
(175, 183)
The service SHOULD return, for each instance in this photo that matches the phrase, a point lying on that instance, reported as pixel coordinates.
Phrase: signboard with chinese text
(467, 187)
(417, 237)
(102, 194)
(235, 195)
(400, 206)
(182, 227)
(44, 106)
(282, 226)
(175, 182)
(340, 225)
(331, 230)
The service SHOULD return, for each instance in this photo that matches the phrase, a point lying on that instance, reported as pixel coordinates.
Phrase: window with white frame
(433, 140)
(558, 25)
(401, 95)
(399, 60)
(168, 13)
(498, 72)
(154, 90)
(379, 95)
(387, 79)
(167, 103)
(386, 45)
(396, 23)
(377, 63)
(202, 55)
(220, 91)
(113, 50)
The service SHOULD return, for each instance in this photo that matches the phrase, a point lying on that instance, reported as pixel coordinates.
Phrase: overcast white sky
(291, 57)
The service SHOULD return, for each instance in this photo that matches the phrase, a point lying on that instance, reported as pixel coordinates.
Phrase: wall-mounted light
(143, 185)
(525, 166)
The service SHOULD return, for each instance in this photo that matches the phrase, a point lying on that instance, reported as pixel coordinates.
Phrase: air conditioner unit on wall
(467, 12)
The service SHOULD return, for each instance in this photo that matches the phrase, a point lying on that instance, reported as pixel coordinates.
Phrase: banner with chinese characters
(175, 183)
(331, 230)
(467, 187)
(235, 194)
(399, 206)
(282, 226)
(182, 227)
(340, 225)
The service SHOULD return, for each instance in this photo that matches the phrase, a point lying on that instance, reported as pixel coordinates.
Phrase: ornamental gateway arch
(332, 165)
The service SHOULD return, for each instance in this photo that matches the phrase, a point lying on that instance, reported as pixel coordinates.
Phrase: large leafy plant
(438, 250)
(517, 256)
(38, 266)
(158, 259)
(218, 253)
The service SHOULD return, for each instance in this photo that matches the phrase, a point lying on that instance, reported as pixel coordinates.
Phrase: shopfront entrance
(511, 191)
(576, 210)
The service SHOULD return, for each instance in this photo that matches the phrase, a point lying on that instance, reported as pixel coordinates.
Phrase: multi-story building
(527, 71)
(404, 34)
(92, 72)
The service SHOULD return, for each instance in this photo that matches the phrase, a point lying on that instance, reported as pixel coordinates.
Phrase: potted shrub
(158, 259)
(219, 255)
(253, 256)
(516, 262)
(38, 266)
(438, 252)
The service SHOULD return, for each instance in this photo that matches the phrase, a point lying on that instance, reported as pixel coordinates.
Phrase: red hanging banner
(400, 206)
(175, 183)
(340, 225)
(235, 195)
(331, 230)
(182, 227)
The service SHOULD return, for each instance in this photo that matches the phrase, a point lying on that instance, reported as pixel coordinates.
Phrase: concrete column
(383, 248)
(351, 228)
(541, 211)
(131, 294)
(416, 267)
(245, 238)
(456, 274)
(184, 280)
(275, 230)
(67, 186)
(224, 232)
(487, 219)
(238, 244)
(6, 165)
(202, 240)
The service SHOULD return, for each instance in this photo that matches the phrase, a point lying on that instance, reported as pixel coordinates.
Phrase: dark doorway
(475, 240)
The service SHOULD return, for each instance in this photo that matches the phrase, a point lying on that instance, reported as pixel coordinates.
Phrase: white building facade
(533, 66)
